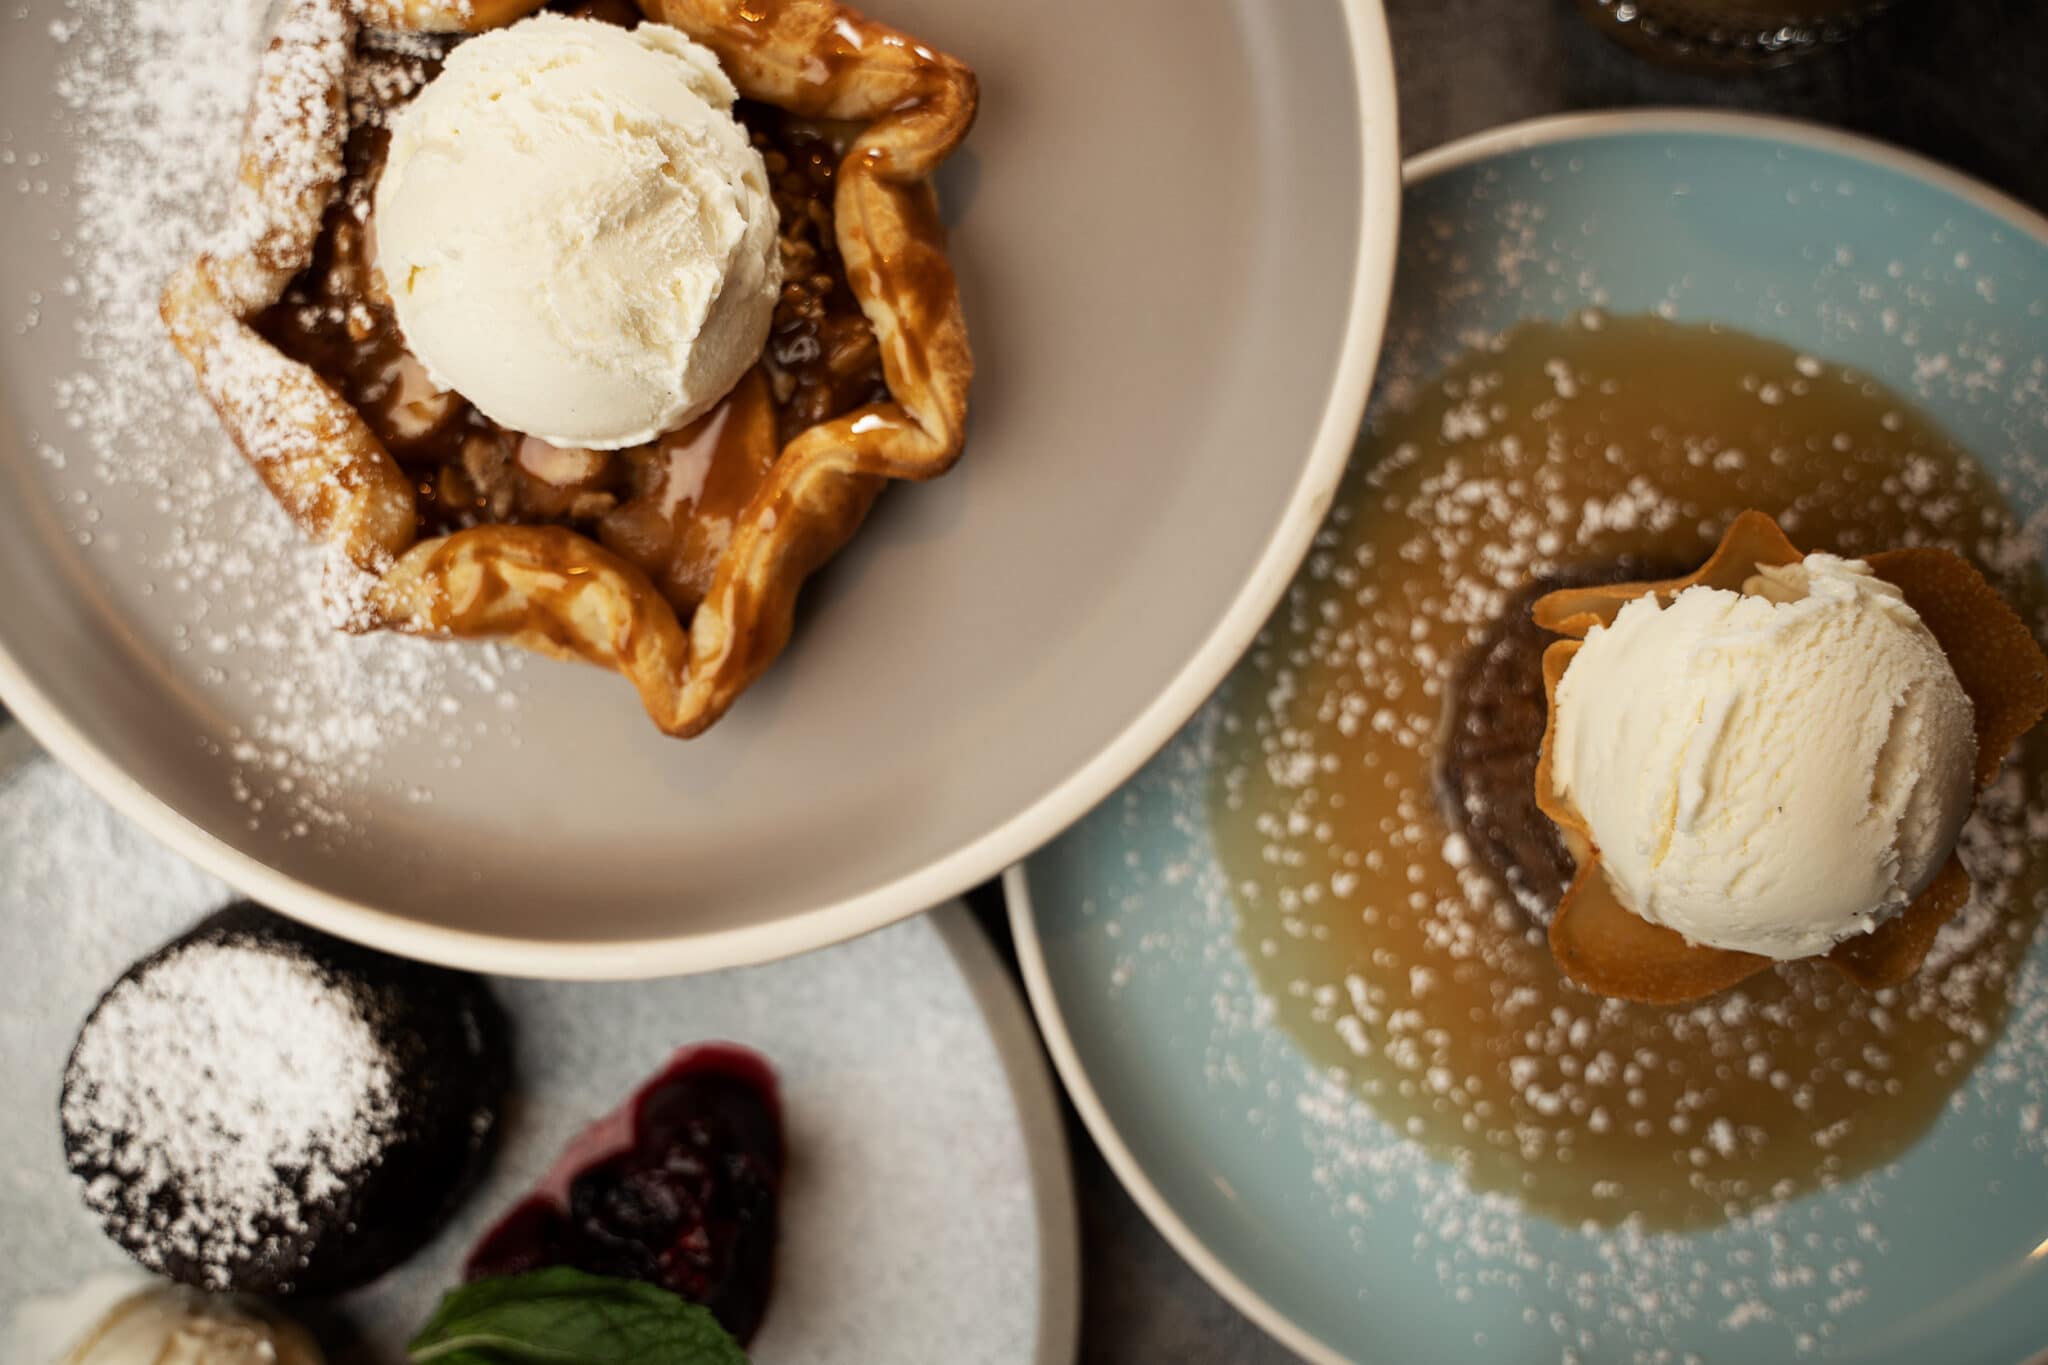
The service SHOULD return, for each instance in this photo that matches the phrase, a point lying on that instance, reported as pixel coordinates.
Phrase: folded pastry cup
(550, 588)
(1604, 946)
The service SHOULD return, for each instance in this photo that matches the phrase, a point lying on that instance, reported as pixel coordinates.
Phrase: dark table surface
(1957, 80)
(1962, 81)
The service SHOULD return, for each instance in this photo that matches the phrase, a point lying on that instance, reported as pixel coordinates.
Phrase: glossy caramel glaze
(667, 506)
(708, 523)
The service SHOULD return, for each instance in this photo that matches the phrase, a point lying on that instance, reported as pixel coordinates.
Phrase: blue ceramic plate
(1340, 1236)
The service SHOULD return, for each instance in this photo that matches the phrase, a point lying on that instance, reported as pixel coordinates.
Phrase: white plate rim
(978, 861)
(1014, 1034)
(1527, 134)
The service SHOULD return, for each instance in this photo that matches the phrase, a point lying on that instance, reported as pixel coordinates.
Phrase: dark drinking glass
(1731, 33)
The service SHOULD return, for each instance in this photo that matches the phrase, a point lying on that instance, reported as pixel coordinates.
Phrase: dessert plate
(927, 1212)
(1186, 264)
(1338, 1234)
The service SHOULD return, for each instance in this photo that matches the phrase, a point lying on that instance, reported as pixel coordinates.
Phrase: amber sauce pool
(1387, 941)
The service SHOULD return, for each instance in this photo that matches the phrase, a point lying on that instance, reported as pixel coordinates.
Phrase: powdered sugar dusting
(1191, 944)
(220, 1092)
(291, 152)
(1783, 1275)
(155, 94)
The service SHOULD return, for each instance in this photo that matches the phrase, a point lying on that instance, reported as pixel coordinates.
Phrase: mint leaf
(565, 1317)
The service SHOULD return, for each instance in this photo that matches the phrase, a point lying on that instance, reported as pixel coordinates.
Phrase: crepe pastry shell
(1609, 949)
(550, 588)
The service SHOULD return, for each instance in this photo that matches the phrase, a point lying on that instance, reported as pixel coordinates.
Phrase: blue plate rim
(1508, 139)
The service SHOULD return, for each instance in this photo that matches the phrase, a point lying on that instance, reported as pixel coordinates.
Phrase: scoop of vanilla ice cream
(173, 1325)
(1769, 771)
(576, 234)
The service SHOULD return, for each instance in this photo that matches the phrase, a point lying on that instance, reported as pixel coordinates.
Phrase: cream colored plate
(1174, 230)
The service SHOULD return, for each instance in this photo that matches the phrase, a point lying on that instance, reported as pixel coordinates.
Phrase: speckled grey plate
(1174, 229)
(927, 1211)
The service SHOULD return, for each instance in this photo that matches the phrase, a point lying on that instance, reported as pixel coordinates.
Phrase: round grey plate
(927, 1212)
(1174, 229)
